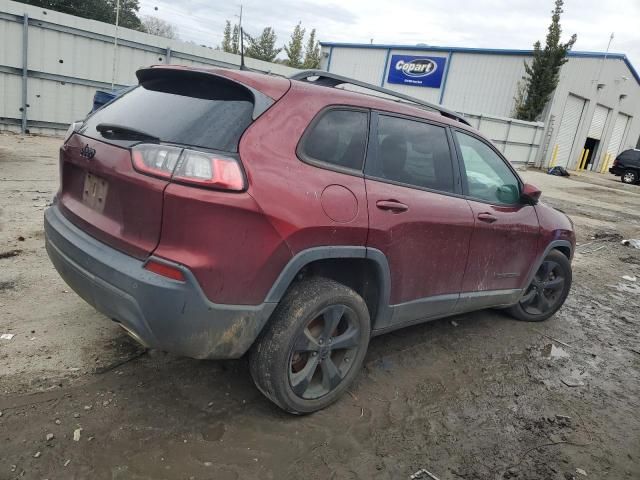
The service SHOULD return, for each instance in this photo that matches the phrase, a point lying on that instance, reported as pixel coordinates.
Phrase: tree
(542, 74)
(100, 10)
(262, 47)
(312, 52)
(157, 26)
(294, 49)
(226, 37)
(235, 40)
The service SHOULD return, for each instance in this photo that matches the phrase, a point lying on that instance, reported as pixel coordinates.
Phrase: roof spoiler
(326, 79)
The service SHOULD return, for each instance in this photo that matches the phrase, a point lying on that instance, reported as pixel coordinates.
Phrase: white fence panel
(519, 141)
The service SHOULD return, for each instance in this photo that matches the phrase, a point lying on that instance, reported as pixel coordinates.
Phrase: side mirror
(530, 194)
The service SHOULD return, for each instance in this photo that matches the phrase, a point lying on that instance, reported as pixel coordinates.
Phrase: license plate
(95, 192)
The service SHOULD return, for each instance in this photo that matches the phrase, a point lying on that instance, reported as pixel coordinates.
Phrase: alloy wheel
(545, 290)
(323, 352)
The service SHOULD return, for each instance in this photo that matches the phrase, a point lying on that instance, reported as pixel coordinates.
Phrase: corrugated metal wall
(69, 58)
(606, 84)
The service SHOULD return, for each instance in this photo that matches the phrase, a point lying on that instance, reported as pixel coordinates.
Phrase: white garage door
(598, 121)
(619, 128)
(568, 127)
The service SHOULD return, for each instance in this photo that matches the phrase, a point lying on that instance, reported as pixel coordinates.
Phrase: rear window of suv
(198, 110)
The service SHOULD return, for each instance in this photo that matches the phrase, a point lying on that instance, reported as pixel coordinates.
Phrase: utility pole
(115, 46)
(241, 39)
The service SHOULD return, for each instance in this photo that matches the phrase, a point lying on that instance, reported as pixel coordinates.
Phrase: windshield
(198, 110)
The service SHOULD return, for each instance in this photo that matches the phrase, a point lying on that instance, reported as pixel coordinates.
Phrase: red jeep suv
(216, 213)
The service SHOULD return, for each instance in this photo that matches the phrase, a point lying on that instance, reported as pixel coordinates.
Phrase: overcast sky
(459, 23)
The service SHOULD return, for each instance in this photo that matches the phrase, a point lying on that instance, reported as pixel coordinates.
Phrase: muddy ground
(480, 396)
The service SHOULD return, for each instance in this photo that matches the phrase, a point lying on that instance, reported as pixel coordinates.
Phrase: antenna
(242, 65)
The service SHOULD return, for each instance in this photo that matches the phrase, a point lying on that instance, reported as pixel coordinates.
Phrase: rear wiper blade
(121, 131)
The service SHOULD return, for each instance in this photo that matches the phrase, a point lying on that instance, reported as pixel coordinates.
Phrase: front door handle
(486, 217)
(392, 205)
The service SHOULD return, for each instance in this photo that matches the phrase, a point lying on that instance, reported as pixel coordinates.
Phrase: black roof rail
(327, 79)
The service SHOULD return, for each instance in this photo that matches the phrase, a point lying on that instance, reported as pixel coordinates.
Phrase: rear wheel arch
(365, 270)
(565, 250)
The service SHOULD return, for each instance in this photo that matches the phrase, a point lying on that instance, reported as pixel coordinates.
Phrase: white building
(596, 106)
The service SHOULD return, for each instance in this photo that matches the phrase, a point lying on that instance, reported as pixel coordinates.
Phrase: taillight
(209, 170)
(616, 162)
(156, 160)
(203, 169)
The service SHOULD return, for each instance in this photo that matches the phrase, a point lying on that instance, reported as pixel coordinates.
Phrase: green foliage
(542, 74)
(157, 26)
(294, 49)
(100, 10)
(312, 52)
(226, 38)
(262, 47)
(235, 39)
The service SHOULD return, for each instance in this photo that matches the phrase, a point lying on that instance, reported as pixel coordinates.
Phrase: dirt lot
(479, 396)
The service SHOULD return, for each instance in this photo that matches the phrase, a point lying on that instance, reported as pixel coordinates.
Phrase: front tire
(548, 290)
(629, 176)
(313, 347)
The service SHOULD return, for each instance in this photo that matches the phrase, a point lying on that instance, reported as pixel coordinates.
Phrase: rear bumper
(162, 313)
(616, 171)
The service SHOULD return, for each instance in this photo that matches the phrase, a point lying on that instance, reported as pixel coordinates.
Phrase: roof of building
(490, 51)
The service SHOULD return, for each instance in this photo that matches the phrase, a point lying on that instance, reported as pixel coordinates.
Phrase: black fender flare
(305, 257)
(551, 246)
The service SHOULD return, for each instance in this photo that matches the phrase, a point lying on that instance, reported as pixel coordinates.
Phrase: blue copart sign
(418, 71)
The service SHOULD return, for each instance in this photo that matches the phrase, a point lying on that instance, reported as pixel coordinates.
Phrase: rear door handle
(392, 205)
(486, 217)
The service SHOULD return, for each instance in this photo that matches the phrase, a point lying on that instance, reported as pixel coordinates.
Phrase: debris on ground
(66, 463)
(558, 171)
(37, 455)
(49, 437)
(630, 259)
(76, 434)
(422, 473)
(607, 236)
(7, 336)
(632, 242)
(581, 472)
(629, 278)
(454, 323)
(10, 253)
(572, 382)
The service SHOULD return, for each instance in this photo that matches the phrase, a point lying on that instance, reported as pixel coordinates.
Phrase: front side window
(488, 177)
(414, 153)
(338, 138)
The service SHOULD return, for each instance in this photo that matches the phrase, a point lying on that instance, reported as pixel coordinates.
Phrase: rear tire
(629, 176)
(547, 291)
(313, 347)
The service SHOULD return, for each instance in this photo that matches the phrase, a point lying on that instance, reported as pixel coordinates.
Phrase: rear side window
(338, 137)
(197, 110)
(412, 153)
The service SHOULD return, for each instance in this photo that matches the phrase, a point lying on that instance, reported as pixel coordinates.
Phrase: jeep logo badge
(87, 152)
(420, 67)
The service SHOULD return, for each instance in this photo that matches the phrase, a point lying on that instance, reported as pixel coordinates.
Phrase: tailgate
(102, 194)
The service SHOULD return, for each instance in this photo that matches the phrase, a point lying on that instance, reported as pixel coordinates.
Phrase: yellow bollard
(605, 162)
(579, 166)
(586, 156)
(554, 157)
